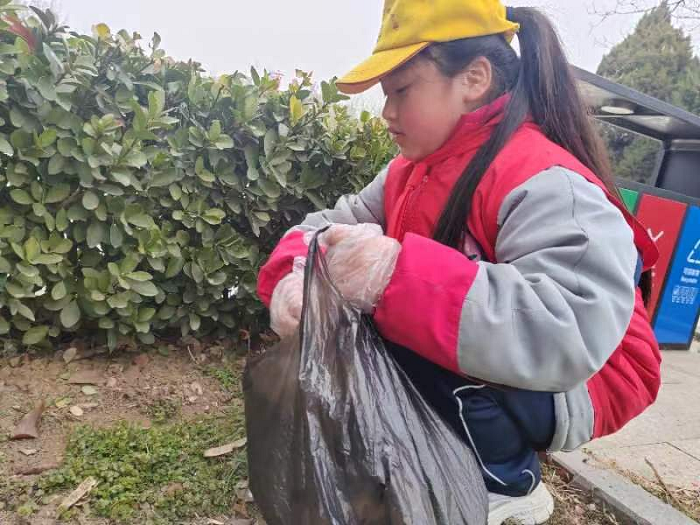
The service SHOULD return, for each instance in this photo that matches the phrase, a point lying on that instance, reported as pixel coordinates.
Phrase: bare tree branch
(680, 9)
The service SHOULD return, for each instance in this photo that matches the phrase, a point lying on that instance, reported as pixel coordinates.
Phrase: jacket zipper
(410, 199)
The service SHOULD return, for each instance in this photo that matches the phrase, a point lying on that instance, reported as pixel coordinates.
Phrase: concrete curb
(625, 498)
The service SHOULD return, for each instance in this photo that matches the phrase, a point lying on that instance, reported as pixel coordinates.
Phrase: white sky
(324, 36)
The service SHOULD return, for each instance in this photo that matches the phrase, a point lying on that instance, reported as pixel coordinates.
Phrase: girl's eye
(402, 90)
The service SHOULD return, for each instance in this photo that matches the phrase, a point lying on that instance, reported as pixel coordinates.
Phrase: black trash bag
(337, 434)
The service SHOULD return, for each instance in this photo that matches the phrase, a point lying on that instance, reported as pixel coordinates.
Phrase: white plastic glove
(287, 299)
(360, 262)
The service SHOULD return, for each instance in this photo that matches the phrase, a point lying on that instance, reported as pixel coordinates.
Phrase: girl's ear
(476, 82)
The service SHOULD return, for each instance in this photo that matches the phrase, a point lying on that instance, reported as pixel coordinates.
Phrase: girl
(493, 252)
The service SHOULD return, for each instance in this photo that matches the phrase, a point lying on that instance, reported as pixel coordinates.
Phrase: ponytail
(543, 87)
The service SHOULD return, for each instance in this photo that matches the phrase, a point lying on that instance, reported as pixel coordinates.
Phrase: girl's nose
(389, 111)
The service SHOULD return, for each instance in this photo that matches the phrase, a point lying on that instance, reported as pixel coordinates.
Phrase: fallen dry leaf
(86, 377)
(245, 495)
(76, 411)
(28, 451)
(225, 449)
(75, 496)
(62, 402)
(70, 354)
(89, 390)
(37, 469)
(28, 427)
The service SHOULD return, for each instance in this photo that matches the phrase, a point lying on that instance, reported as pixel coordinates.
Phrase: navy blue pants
(505, 427)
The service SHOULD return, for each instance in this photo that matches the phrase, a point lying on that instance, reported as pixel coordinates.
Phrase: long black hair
(542, 87)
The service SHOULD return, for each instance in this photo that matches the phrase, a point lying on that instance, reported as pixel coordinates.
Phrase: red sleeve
(280, 264)
(422, 305)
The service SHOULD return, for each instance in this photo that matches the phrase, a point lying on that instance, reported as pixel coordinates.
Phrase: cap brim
(380, 64)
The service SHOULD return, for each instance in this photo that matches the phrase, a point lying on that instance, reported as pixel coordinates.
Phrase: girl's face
(423, 106)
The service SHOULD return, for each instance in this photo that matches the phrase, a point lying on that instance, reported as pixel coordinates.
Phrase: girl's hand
(360, 261)
(287, 300)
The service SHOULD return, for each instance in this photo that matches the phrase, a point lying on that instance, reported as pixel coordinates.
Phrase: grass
(572, 506)
(685, 500)
(158, 473)
(163, 410)
(229, 376)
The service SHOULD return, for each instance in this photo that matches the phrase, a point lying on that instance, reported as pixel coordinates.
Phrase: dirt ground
(98, 389)
(138, 387)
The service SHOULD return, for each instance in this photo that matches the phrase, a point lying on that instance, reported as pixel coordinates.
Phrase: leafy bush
(139, 195)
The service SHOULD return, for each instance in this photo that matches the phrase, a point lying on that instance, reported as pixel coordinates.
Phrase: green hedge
(140, 195)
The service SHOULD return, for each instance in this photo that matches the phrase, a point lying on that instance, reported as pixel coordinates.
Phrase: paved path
(668, 433)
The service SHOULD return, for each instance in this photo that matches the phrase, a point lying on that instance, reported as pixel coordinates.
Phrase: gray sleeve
(365, 207)
(550, 314)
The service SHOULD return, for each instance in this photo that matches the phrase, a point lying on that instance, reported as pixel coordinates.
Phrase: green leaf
(48, 258)
(106, 323)
(164, 178)
(120, 300)
(139, 276)
(57, 193)
(214, 216)
(90, 201)
(35, 335)
(95, 234)
(116, 238)
(224, 142)
(270, 189)
(146, 314)
(21, 197)
(47, 138)
(28, 270)
(6, 147)
(70, 315)
(4, 326)
(175, 191)
(145, 288)
(174, 267)
(59, 291)
(46, 88)
(141, 220)
(23, 310)
(31, 249)
(214, 131)
(217, 279)
(310, 178)
(62, 220)
(56, 164)
(54, 62)
(136, 159)
(15, 290)
(156, 103)
(18, 250)
(269, 142)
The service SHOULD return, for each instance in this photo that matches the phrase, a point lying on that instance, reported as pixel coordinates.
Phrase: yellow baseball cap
(409, 26)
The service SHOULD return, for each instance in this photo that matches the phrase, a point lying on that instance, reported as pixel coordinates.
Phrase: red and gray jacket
(542, 297)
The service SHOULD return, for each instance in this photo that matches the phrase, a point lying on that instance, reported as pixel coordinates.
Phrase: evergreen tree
(658, 60)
